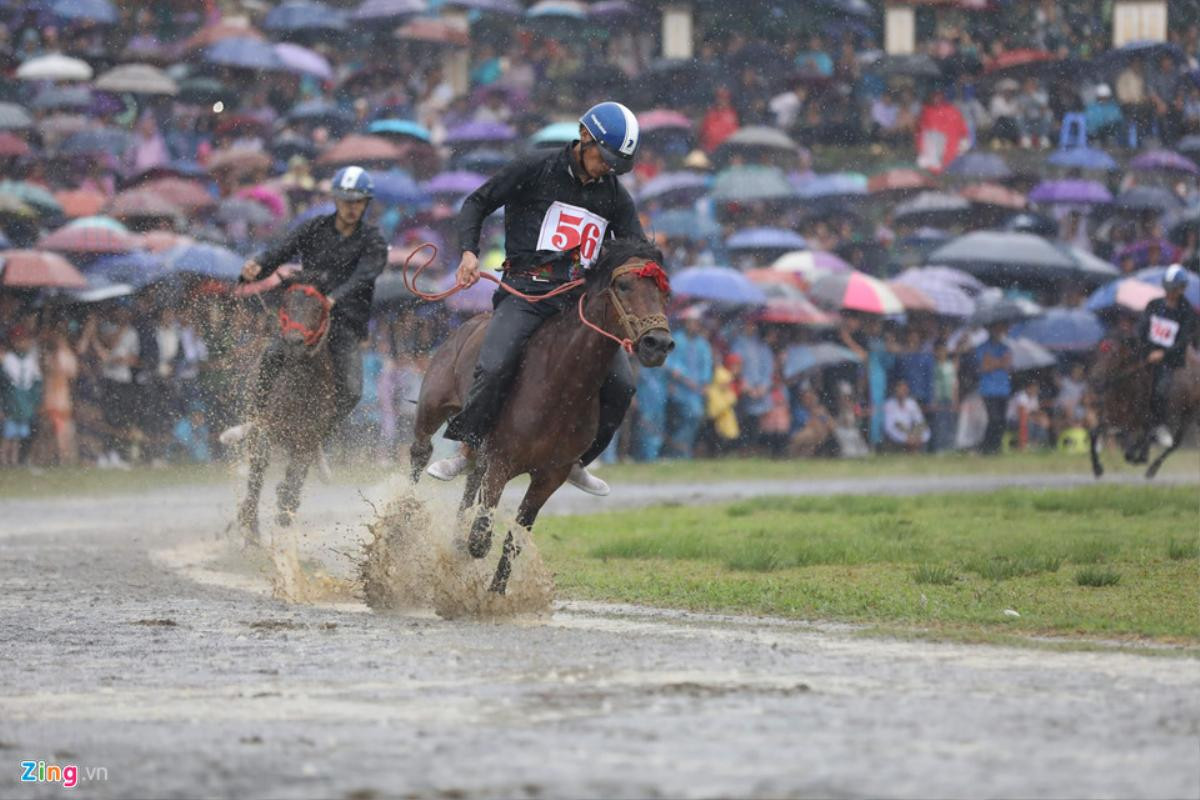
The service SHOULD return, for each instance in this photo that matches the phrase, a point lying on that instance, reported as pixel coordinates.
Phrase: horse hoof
(498, 586)
(479, 543)
(284, 518)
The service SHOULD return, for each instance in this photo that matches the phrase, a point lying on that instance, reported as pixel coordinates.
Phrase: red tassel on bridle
(653, 271)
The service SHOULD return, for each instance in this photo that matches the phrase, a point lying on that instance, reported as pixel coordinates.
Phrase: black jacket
(528, 188)
(1169, 329)
(343, 267)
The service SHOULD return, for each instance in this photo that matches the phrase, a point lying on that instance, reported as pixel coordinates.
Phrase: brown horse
(299, 412)
(552, 409)
(1121, 379)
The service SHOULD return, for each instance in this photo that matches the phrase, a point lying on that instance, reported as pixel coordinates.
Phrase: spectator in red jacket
(720, 121)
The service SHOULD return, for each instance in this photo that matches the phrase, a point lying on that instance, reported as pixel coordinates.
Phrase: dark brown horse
(1122, 380)
(552, 408)
(299, 412)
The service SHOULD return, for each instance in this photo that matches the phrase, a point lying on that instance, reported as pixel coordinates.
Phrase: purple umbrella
(1089, 158)
(243, 52)
(678, 187)
(389, 9)
(616, 11)
(766, 239)
(1141, 252)
(494, 6)
(1072, 191)
(1164, 161)
(304, 61)
(480, 132)
(455, 183)
(981, 166)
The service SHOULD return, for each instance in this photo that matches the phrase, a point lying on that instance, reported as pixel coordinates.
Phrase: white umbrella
(137, 78)
(54, 67)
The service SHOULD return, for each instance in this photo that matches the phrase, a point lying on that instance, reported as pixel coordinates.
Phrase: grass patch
(947, 562)
(1179, 550)
(1097, 576)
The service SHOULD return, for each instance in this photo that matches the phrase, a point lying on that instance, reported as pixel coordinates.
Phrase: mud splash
(416, 558)
(297, 581)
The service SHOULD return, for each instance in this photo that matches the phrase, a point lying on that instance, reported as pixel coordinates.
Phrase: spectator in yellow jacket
(721, 398)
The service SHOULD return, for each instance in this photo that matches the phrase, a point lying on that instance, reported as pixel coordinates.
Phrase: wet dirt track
(112, 656)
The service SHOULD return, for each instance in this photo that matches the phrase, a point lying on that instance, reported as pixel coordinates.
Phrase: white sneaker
(103, 462)
(231, 436)
(448, 468)
(1163, 437)
(582, 479)
(116, 462)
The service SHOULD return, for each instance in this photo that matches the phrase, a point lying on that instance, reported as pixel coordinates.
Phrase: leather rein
(311, 335)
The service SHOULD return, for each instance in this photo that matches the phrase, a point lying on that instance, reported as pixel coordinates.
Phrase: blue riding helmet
(1175, 277)
(615, 129)
(352, 183)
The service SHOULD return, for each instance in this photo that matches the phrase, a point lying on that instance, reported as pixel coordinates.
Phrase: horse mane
(615, 253)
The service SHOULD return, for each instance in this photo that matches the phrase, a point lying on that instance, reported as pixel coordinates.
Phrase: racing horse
(1121, 380)
(300, 409)
(552, 410)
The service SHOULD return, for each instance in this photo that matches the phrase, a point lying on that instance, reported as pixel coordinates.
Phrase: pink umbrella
(37, 269)
(856, 291)
(267, 196)
(660, 119)
(302, 60)
(89, 240)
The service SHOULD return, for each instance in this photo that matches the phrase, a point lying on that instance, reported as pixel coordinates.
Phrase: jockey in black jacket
(1167, 328)
(558, 209)
(341, 255)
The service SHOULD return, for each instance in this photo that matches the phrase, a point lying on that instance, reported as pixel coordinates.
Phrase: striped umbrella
(948, 299)
(856, 291)
(1127, 293)
(37, 269)
(72, 239)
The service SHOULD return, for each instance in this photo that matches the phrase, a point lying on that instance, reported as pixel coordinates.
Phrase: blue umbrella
(480, 132)
(555, 134)
(484, 160)
(400, 127)
(1154, 275)
(136, 269)
(380, 10)
(397, 188)
(319, 210)
(834, 184)
(300, 15)
(719, 284)
(209, 260)
(800, 358)
(455, 183)
(1083, 158)
(1063, 329)
(681, 187)
(99, 11)
(101, 140)
(979, 166)
(244, 52)
(766, 239)
(510, 7)
(679, 223)
(1147, 198)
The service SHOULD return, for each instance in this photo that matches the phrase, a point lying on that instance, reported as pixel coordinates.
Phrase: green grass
(948, 563)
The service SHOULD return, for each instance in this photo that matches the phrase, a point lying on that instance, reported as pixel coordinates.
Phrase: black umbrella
(1007, 310)
(1147, 198)
(1029, 222)
(938, 209)
(913, 65)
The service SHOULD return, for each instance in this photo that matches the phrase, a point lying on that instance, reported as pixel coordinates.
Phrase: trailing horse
(1121, 380)
(552, 409)
(300, 408)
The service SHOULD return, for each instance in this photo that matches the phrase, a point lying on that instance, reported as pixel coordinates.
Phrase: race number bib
(1163, 331)
(566, 227)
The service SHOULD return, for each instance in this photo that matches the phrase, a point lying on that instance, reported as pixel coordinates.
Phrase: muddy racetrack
(132, 637)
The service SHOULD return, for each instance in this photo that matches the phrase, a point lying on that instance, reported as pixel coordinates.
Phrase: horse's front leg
(542, 485)
(1096, 438)
(260, 453)
(288, 492)
(495, 476)
(1177, 437)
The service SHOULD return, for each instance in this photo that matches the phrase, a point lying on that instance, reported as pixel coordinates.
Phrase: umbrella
(138, 79)
(98, 221)
(979, 166)
(1006, 310)
(662, 119)
(388, 10)
(1154, 276)
(12, 146)
(794, 311)
(682, 223)
(13, 117)
(454, 183)
(80, 202)
(932, 208)
(760, 137)
(1063, 330)
(1030, 222)
(1141, 251)
(161, 241)
(615, 12)
(243, 209)
(471, 132)
(97, 11)
(31, 195)
(766, 239)
(674, 187)
(136, 269)
(856, 291)
(566, 9)
(187, 195)
(913, 298)
(304, 61)
(1087, 158)
(59, 98)
(718, 284)
(832, 185)
(243, 52)
(38, 269)
(945, 298)
(1028, 355)
(994, 195)
(1112, 61)
(1189, 146)
(396, 187)
(99, 288)
(54, 67)
(1164, 161)
(930, 277)
(911, 65)
(202, 90)
(358, 147)
(556, 134)
(209, 260)
(1147, 198)
(239, 159)
(321, 112)
(73, 239)
(1128, 293)
(1185, 224)
(401, 127)
(304, 15)
(895, 182)
(1004, 255)
(810, 264)
(232, 28)
(1071, 191)
(142, 204)
(113, 141)
(748, 183)
(435, 31)
(800, 358)
(509, 7)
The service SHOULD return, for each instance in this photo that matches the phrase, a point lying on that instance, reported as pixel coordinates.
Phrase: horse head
(630, 284)
(304, 317)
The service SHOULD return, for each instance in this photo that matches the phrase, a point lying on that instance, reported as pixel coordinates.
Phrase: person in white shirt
(903, 422)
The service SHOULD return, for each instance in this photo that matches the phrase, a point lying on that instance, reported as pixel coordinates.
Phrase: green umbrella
(98, 222)
(31, 195)
(743, 184)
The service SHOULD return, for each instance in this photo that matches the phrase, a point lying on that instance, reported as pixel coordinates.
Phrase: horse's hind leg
(479, 541)
(471, 490)
(540, 488)
(288, 491)
(1096, 439)
(1177, 436)
(260, 453)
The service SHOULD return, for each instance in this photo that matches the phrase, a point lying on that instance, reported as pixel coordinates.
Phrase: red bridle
(311, 335)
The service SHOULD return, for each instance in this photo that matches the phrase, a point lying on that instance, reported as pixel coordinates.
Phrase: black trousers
(347, 370)
(993, 434)
(513, 322)
(1160, 393)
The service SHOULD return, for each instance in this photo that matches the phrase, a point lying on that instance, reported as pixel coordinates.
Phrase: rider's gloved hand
(250, 270)
(468, 269)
